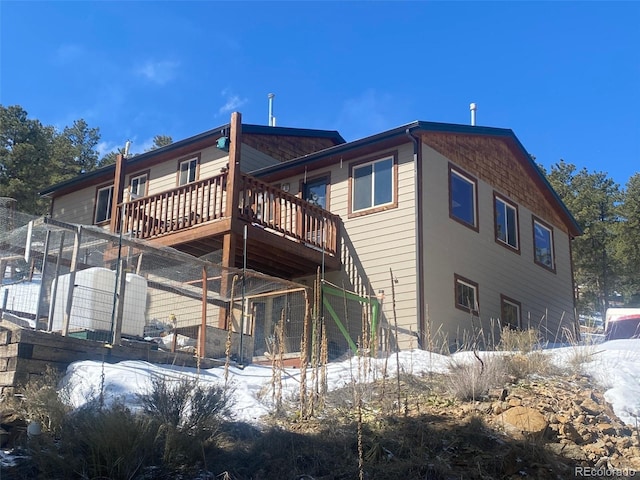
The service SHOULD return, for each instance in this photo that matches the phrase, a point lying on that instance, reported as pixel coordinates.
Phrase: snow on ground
(614, 366)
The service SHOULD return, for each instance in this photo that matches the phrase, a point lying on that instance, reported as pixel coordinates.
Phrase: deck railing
(259, 204)
(176, 209)
(285, 214)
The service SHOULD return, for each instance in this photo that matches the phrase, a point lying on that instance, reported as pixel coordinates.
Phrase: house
(451, 231)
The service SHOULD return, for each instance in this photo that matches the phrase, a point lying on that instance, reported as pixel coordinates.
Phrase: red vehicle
(622, 323)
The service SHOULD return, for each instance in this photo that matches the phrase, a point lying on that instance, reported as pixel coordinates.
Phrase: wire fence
(86, 282)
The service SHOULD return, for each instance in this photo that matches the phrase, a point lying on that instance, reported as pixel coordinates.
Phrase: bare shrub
(522, 341)
(522, 357)
(581, 351)
(40, 401)
(96, 442)
(189, 416)
(522, 365)
(471, 380)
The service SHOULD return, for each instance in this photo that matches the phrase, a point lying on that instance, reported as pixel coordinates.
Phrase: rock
(570, 432)
(515, 402)
(572, 451)
(591, 407)
(526, 420)
(597, 448)
(606, 428)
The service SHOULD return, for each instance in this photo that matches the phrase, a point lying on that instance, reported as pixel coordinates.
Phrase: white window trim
(109, 205)
(467, 283)
(137, 177)
(195, 168)
(516, 306)
(373, 193)
(508, 205)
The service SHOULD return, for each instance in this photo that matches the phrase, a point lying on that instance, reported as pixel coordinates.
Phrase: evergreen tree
(593, 199)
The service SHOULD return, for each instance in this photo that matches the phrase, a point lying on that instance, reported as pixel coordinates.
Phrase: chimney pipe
(272, 119)
(473, 107)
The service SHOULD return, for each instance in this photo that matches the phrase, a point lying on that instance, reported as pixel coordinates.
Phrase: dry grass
(471, 380)
(430, 427)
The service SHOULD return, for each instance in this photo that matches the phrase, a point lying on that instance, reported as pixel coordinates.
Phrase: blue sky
(564, 76)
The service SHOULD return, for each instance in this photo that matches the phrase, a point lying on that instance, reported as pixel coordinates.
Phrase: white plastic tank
(93, 301)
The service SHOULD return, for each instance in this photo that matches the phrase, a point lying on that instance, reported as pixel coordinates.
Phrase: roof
(209, 134)
(417, 126)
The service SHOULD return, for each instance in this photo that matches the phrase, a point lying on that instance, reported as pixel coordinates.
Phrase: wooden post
(234, 184)
(229, 243)
(3, 269)
(72, 281)
(41, 291)
(122, 286)
(5, 298)
(54, 284)
(234, 179)
(202, 338)
(118, 192)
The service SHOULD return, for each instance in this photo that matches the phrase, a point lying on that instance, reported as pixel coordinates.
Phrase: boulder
(526, 420)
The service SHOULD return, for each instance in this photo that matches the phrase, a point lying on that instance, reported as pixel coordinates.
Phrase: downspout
(420, 299)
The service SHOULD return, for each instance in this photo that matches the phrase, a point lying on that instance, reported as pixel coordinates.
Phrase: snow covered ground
(614, 366)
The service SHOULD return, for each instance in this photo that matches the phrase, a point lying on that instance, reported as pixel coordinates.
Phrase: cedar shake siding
(285, 148)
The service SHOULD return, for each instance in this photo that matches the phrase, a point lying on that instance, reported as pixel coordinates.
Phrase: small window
(138, 186)
(510, 312)
(187, 171)
(373, 184)
(463, 198)
(104, 199)
(466, 294)
(506, 223)
(543, 252)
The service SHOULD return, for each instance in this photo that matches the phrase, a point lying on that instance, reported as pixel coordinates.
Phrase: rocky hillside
(537, 426)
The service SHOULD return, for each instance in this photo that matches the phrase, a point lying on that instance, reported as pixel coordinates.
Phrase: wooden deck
(286, 236)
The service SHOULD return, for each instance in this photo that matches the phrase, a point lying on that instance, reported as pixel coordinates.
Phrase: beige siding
(450, 247)
(381, 241)
(252, 159)
(77, 207)
(164, 176)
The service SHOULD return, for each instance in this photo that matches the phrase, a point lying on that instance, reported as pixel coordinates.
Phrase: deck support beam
(230, 240)
(118, 192)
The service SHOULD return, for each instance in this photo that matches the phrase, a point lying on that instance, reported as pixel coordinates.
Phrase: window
(372, 184)
(466, 294)
(463, 198)
(138, 186)
(316, 191)
(506, 222)
(543, 253)
(187, 171)
(509, 312)
(104, 199)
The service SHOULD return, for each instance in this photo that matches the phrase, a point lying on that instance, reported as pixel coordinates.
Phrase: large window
(466, 294)
(506, 222)
(463, 199)
(510, 312)
(373, 185)
(543, 250)
(187, 171)
(138, 186)
(104, 199)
